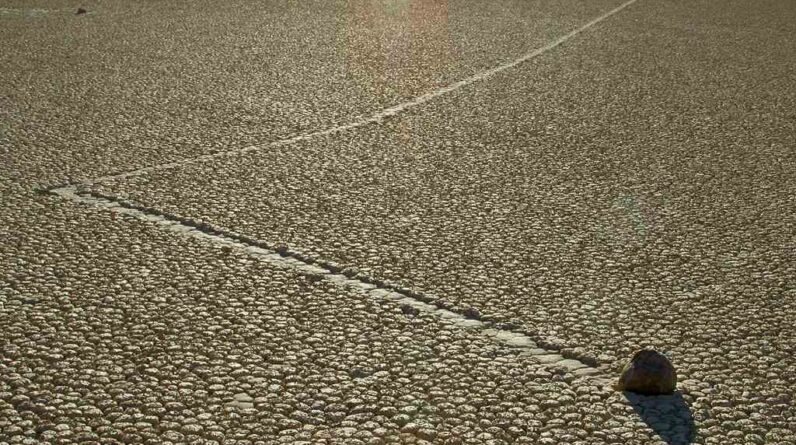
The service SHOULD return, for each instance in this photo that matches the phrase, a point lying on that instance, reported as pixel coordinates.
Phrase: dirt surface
(630, 186)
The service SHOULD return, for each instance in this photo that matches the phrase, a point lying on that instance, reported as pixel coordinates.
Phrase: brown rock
(649, 372)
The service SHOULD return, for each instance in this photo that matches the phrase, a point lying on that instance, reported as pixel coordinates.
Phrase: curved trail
(374, 118)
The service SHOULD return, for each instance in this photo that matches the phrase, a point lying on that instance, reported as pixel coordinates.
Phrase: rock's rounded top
(648, 372)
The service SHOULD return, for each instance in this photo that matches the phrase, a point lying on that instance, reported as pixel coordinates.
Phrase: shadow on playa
(668, 415)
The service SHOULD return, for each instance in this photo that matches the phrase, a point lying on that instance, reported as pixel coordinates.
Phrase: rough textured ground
(115, 331)
(148, 82)
(632, 187)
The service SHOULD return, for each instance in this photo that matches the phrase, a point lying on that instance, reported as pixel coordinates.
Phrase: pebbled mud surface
(466, 270)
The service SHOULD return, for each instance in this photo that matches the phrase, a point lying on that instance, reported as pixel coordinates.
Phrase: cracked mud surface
(568, 197)
(632, 188)
(151, 82)
(118, 332)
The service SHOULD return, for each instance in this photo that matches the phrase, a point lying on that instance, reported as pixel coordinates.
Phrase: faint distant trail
(376, 117)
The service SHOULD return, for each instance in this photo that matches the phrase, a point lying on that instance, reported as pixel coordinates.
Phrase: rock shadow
(669, 416)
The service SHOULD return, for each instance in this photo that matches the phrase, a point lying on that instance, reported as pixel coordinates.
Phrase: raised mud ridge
(411, 301)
